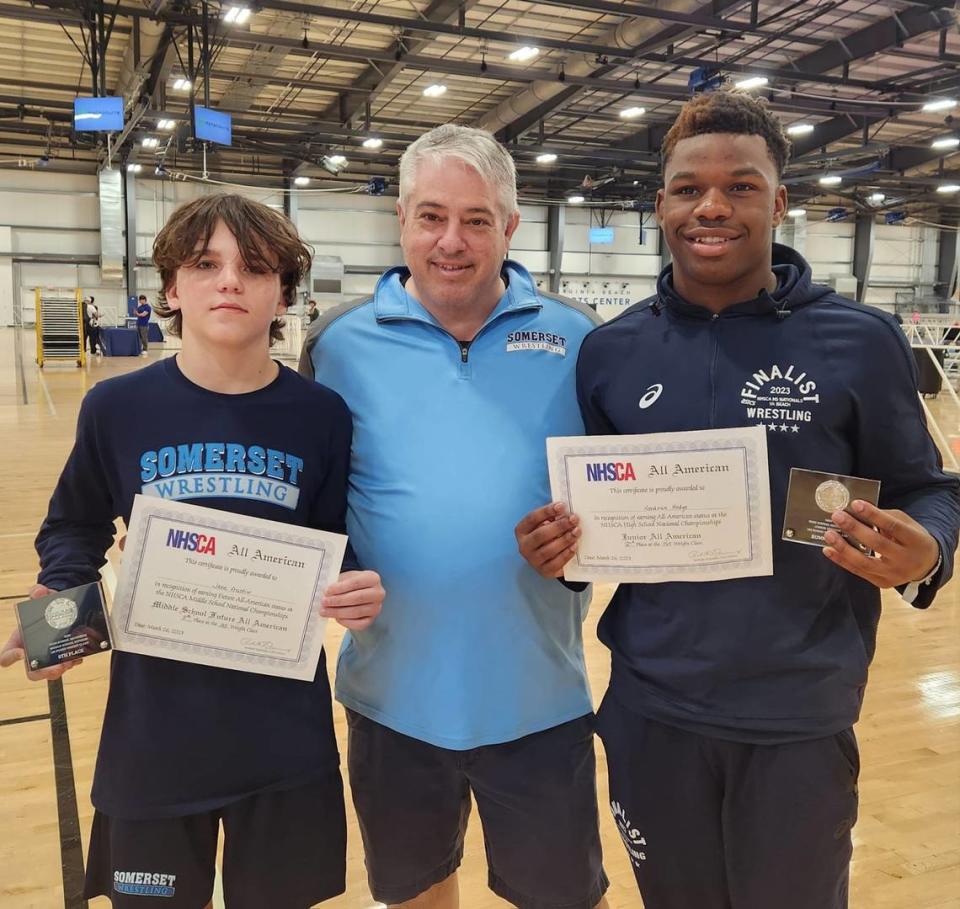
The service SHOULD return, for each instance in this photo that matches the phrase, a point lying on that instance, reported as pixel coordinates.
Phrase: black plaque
(64, 626)
(813, 496)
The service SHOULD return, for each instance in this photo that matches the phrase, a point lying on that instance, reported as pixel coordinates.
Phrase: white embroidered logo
(650, 396)
(782, 399)
(537, 340)
(629, 834)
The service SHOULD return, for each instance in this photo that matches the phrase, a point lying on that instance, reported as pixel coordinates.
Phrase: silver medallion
(832, 496)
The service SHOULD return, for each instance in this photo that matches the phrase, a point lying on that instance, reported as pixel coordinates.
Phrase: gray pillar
(798, 241)
(665, 257)
(130, 206)
(556, 224)
(863, 254)
(947, 264)
(290, 201)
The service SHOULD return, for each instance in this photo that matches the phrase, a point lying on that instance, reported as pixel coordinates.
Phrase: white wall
(904, 263)
(44, 212)
(829, 249)
(362, 230)
(609, 277)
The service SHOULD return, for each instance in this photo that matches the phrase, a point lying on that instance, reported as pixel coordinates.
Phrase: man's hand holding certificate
(695, 506)
(692, 506)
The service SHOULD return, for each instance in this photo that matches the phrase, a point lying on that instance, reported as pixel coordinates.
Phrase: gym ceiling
(581, 91)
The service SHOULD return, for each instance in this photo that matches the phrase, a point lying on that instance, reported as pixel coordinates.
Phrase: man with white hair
(456, 369)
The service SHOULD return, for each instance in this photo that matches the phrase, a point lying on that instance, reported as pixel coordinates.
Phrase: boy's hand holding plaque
(812, 497)
(63, 626)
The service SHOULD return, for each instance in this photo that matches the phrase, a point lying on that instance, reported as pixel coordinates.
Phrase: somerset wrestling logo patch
(144, 883)
(537, 340)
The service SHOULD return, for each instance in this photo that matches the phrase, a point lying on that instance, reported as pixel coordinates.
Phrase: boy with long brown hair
(185, 747)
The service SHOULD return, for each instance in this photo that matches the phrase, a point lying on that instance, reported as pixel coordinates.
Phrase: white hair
(474, 147)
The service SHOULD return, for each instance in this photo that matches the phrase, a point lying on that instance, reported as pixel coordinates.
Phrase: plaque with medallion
(64, 626)
(813, 496)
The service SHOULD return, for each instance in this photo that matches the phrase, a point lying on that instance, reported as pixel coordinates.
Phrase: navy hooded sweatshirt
(181, 738)
(781, 658)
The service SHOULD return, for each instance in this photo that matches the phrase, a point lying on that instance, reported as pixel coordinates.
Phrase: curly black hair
(727, 111)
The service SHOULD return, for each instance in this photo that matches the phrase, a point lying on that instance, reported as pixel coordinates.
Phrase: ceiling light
(799, 129)
(523, 54)
(134, 168)
(830, 180)
(948, 188)
(182, 85)
(751, 82)
(337, 160)
(797, 212)
(876, 198)
(631, 113)
(575, 199)
(435, 90)
(372, 142)
(945, 142)
(166, 124)
(941, 104)
(150, 142)
(301, 181)
(546, 158)
(237, 15)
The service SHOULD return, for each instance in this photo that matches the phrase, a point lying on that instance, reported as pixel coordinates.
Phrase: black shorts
(709, 823)
(537, 799)
(281, 848)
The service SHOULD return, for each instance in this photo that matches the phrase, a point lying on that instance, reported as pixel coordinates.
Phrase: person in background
(142, 313)
(312, 314)
(92, 323)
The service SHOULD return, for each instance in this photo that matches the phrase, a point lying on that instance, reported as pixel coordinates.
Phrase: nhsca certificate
(222, 589)
(678, 506)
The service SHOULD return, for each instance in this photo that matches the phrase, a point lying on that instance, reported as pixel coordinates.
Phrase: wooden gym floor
(907, 841)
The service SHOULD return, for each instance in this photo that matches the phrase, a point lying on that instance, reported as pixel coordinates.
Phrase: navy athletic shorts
(537, 799)
(710, 824)
(281, 848)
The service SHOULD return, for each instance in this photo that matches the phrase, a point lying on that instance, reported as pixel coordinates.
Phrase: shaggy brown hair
(267, 241)
(727, 111)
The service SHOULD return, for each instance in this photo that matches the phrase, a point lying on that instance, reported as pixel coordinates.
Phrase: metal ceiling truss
(291, 106)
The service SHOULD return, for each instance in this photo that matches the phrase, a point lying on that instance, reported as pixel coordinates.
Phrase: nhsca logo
(610, 472)
(144, 883)
(192, 542)
(537, 340)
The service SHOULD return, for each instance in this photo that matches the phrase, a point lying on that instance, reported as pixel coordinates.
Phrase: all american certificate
(222, 589)
(678, 506)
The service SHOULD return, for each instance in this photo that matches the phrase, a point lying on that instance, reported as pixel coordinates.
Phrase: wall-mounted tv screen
(103, 114)
(212, 125)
